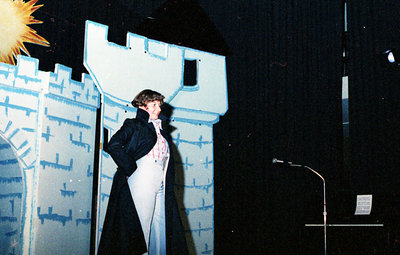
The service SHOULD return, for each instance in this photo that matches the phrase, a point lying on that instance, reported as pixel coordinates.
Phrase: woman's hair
(146, 96)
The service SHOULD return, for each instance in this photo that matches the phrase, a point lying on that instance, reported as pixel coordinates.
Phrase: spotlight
(391, 56)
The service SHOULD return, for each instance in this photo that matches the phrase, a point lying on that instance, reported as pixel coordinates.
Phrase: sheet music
(364, 205)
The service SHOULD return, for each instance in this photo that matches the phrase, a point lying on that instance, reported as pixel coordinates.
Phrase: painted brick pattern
(47, 135)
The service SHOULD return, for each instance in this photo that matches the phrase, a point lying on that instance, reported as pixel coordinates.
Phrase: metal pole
(324, 213)
(287, 163)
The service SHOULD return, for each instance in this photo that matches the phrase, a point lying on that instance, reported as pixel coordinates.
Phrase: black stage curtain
(284, 68)
(374, 105)
(284, 78)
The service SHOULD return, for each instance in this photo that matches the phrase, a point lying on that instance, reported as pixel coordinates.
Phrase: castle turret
(122, 71)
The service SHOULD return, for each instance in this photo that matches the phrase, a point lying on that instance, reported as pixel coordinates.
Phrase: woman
(142, 215)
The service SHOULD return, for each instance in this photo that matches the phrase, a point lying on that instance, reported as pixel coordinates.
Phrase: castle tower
(121, 72)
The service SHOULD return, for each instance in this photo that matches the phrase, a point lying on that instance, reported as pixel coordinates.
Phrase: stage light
(391, 56)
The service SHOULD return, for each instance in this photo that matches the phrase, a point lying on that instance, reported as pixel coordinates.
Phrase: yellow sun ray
(14, 30)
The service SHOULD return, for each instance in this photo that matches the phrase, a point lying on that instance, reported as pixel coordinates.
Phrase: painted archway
(11, 198)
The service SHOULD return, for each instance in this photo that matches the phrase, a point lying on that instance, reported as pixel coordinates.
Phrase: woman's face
(153, 108)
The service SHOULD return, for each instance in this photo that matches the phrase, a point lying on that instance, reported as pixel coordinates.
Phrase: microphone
(282, 162)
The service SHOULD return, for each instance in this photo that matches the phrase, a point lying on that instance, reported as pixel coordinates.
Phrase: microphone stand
(323, 181)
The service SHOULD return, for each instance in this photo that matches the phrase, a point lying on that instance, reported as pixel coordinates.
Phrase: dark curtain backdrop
(284, 78)
(374, 105)
(284, 69)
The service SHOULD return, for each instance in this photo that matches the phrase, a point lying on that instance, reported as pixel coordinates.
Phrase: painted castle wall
(47, 135)
(121, 72)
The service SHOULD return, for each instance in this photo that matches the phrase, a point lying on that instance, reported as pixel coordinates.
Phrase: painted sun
(14, 30)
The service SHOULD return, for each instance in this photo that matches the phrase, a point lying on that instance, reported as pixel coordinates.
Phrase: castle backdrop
(52, 128)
